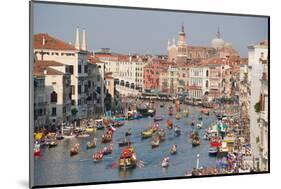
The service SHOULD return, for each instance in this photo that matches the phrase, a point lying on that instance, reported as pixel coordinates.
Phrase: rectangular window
(79, 89)
(73, 89)
(86, 69)
(54, 111)
(79, 69)
(71, 69)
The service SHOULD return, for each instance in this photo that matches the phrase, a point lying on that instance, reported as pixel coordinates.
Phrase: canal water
(55, 166)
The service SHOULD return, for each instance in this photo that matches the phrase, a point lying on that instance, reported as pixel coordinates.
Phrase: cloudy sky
(145, 31)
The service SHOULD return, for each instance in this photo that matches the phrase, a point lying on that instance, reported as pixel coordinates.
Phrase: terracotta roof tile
(50, 43)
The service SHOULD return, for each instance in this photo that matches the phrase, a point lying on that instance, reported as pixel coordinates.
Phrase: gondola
(98, 156)
(53, 144)
(128, 158)
(161, 134)
(173, 150)
(177, 131)
(169, 124)
(74, 150)
(213, 151)
(118, 123)
(196, 142)
(124, 142)
(106, 138)
(158, 118)
(155, 143)
(165, 162)
(148, 133)
(37, 152)
(92, 144)
(107, 150)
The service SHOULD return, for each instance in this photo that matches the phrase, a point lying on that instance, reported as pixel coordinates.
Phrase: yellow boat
(90, 129)
(147, 133)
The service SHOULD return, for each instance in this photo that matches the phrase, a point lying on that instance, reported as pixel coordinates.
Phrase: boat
(155, 142)
(106, 138)
(37, 151)
(196, 142)
(169, 124)
(98, 156)
(69, 136)
(178, 116)
(100, 126)
(215, 142)
(177, 131)
(145, 112)
(124, 142)
(59, 137)
(162, 105)
(121, 118)
(75, 149)
(200, 118)
(53, 144)
(173, 150)
(186, 113)
(118, 123)
(128, 158)
(89, 129)
(161, 134)
(147, 133)
(213, 151)
(170, 113)
(83, 135)
(199, 125)
(205, 111)
(158, 118)
(165, 162)
(107, 150)
(129, 132)
(92, 144)
(195, 139)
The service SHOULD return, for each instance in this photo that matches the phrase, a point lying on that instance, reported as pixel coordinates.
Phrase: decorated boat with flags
(98, 156)
(128, 158)
(75, 149)
(169, 124)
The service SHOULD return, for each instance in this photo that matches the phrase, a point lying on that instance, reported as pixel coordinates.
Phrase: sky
(145, 31)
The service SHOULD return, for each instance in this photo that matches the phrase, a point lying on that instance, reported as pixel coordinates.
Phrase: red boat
(37, 152)
(215, 142)
(97, 157)
(169, 124)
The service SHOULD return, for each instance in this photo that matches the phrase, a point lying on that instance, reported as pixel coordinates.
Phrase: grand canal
(55, 166)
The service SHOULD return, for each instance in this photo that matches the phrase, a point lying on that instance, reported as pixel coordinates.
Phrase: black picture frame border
(31, 125)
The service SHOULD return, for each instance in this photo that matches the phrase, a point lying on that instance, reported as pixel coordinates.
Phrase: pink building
(152, 73)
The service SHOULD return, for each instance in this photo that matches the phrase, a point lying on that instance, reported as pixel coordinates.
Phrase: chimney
(77, 42)
(84, 46)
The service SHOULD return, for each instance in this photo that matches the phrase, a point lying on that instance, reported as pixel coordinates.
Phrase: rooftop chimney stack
(77, 41)
(84, 46)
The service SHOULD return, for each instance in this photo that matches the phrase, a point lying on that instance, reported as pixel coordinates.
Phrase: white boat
(199, 125)
(165, 162)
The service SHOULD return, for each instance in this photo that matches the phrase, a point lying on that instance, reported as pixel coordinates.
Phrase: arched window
(54, 97)
(207, 84)
(207, 73)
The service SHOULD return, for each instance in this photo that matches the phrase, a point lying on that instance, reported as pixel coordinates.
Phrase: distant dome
(217, 43)
(228, 45)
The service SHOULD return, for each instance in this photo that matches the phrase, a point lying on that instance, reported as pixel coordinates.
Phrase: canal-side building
(263, 118)
(47, 47)
(40, 100)
(57, 90)
(257, 54)
(198, 81)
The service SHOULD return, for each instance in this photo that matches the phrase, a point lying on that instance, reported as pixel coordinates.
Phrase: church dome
(228, 45)
(217, 42)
